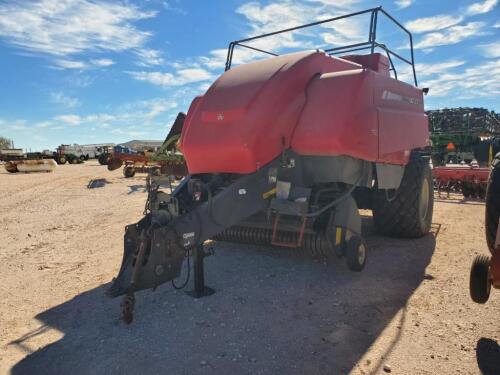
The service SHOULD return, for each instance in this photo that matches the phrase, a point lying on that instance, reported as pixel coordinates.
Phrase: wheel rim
(361, 253)
(424, 200)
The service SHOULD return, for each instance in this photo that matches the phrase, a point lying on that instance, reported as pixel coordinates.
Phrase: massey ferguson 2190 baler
(284, 151)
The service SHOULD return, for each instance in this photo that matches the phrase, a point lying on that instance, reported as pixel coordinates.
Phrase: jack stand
(200, 290)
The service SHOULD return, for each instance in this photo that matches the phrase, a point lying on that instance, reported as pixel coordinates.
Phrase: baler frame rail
(371, 43)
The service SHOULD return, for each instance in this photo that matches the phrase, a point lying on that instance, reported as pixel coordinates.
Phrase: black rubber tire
(103, 159)
(82, 157)
(493, 203)
(355, 254)
(401, 216)
(61, 160)
(480, 284)
(129, 172)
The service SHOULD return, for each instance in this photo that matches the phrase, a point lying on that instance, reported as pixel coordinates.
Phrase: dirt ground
(273, 312)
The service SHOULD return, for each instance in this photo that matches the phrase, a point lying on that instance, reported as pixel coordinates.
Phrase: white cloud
(491, 49)
(148, 109)
(342, 4)
(43, 124)
(401, 4)
(149, 57)
(69, 119)
(62, 29)
(69, 64)
(484, 7)
(477, 81)
(427, 69)
(102, 62)
(177, 78)
(497, 25)
(59, 97)
(451, 35)
(435, 23)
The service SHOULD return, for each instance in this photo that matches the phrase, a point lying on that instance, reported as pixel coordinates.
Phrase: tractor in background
(167, 160)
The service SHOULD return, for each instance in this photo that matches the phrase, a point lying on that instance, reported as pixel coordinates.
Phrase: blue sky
(78, 71)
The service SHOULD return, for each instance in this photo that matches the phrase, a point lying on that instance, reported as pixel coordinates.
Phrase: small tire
(355, 254)
(480, 284)
(82, 157)
(409, 213)
(61, 160)
(129, 172)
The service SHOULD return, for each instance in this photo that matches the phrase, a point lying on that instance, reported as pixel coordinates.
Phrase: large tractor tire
(407, 212)
(493, 203)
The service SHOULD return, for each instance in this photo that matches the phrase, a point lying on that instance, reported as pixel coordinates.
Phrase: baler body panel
(363, 114)
(310, 102)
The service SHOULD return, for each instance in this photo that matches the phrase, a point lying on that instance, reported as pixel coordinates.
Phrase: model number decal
(388, 95)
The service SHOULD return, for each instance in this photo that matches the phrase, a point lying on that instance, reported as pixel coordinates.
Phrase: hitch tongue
(151, 257)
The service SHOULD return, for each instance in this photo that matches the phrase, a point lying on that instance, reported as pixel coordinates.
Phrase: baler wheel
(480, 283)
(493, 203)
(355, 254)
(408, 214)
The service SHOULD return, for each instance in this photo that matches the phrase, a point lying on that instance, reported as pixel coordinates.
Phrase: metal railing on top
(370, 44)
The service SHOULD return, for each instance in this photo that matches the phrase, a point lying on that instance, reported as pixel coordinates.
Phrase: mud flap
(344, 222)
(162, 261)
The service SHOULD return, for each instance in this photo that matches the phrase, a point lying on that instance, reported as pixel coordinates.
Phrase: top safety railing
(371, 44)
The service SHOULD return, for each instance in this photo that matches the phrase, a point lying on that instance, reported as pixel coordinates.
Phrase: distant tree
(4, 142)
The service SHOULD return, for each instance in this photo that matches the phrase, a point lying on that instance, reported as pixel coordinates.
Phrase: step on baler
(284, 151)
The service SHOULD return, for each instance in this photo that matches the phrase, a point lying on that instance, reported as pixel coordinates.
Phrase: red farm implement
(283, 151)
(467, 180)
(167, 160)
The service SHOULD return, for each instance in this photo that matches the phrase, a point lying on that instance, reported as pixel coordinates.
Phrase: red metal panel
(316, 104)
(339, 118)
(403, 124)
(465, 173)
(242, 120)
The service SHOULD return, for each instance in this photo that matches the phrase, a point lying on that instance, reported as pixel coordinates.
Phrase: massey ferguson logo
(220, 117)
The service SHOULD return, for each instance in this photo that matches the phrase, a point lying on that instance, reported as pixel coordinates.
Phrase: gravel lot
(273, 313)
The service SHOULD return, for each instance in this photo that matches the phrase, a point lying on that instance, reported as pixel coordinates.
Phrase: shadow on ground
(97, 183)
(273, 312)
(137, 189)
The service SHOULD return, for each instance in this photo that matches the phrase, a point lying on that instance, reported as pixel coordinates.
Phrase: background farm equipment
(465, 179)
(28, 166)
(167, 160)
(105, 155)
(283, 152)
(463, 135)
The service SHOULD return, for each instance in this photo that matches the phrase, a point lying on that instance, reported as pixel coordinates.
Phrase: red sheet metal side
(445, 174)
(339, 117)
(247, 116)
(403, 124)
(363, 114)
